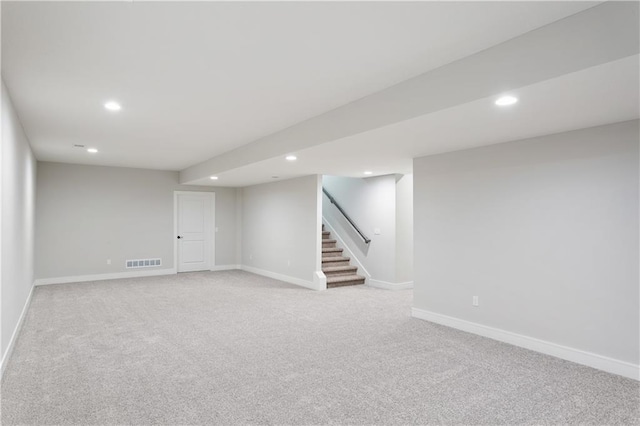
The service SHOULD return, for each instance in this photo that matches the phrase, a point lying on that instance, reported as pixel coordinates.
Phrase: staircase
(336, 266)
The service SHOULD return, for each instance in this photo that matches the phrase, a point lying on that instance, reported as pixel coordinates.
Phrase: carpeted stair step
(330, 252)
(327, 243)
(344, 280)
(335, 266)
(335, 261)
(339, 270)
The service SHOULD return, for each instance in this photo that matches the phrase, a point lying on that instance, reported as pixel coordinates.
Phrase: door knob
(179, 236)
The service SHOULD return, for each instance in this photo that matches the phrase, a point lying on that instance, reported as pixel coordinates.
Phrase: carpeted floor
(236, 348)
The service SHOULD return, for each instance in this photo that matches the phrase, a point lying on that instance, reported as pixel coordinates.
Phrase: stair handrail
(346, 216)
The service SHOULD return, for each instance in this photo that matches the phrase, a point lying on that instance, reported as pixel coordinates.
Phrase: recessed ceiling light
(368, 172)
(112, 106)
(214, 178)
(92, 150)
(291, 158)
(506, 100)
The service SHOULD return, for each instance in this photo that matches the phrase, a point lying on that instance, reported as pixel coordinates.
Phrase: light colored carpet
(236, 348)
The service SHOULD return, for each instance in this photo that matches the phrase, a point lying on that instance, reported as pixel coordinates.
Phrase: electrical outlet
(475, 301)
(288, 263)
(108, 261)
(250, 257)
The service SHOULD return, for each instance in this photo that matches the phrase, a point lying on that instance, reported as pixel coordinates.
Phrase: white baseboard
(110, 276)
(225, 267)
(578, 356)
(389, 286)
(14, 336)
(281, 277)
(320, 280)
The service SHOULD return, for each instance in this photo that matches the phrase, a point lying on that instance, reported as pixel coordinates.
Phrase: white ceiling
(197, 79)
(598, 95)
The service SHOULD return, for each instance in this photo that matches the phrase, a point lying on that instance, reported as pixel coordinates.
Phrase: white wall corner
(320, 280)
(102, 277)
(578, 356)
(318, 231)
(238, 219)
(225, 267)
(389, 286)
(7, 354)
(280, 277)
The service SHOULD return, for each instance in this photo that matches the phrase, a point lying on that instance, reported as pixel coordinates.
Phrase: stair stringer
(320, 280)
(340, 242)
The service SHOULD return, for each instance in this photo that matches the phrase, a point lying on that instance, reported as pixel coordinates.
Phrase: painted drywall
(544, 231)
(404, 228)
(280, 229)
(17, 217)
(595, 36)
(372, 204)
(87, 214)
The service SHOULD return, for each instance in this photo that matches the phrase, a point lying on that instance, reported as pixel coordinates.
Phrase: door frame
(212, 197)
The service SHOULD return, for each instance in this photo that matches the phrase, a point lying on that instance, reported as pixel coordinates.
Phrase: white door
(194, 237)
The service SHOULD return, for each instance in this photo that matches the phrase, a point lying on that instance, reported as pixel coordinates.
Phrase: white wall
(383, 203)
(280, 229)
(17, 217)
(545, 232)
(404, 228)
(88, 214)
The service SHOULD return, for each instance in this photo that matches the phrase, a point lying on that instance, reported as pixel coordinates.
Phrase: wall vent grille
(143, 263)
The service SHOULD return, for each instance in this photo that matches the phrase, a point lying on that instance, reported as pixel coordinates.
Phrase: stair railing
(346, 216)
